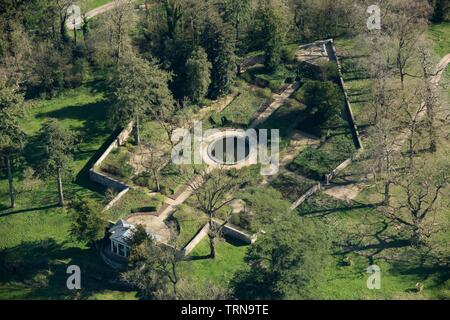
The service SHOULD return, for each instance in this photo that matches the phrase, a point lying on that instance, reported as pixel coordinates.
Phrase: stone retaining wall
(239, 234)
(104, 179)
(195, 241)
(329, 46)
(228, 229)
(116, 198)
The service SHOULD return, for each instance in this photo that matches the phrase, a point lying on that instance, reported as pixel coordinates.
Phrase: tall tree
(198, 75)
(404, 23)
(62, 8)
(89, 221)
(238, 13)
(220, 47)
(120, 20)
(214, 190)
(420, 200)
(271, 30)
(138, 89)
(153, 159)
(58, 144)
(429, 93)
(11, 136)
(286, 261)
(153, 269)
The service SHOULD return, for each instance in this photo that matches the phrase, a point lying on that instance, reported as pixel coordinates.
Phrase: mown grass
(189, 221)
(136, 200)
(241, 111)
(36, 244)
(440, 35)
(358, 223)
(218, 271)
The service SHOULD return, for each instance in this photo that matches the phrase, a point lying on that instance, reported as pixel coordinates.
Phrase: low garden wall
(195, 241)
(239, 234)
(329, 46)
(354, 128)
(327, 179)
(228, 229)
(116, 198)
(103, 179)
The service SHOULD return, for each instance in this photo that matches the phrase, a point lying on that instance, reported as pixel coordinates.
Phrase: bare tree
(385, 156)
(429, 92)
(420, 200)
(214, 190)
(404, 22)
(120, 19)
(153, 159)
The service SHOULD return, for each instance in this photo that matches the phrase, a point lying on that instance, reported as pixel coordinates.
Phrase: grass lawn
(189, 221)
(136, 200)
(440, 35)
(35, 247)
(229, 259)
(399, 265)
(241, 111)
(88, 5)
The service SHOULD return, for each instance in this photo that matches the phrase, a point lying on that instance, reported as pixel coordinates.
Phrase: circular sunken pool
(229, 149)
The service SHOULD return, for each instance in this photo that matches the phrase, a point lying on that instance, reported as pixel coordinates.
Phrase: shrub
(324, 100)
(312, 163)
(316, 163)
(288, 53)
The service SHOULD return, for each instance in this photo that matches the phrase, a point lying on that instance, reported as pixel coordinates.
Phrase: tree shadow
(83, 178)
(327, 211)
(5, 214)
(41, 267)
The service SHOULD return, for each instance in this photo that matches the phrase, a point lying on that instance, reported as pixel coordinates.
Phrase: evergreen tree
(11, 136)
(89, 221)
(58, 146)
(323, 100)
(138, 89)
(198, 75)
(271, 31)
(220, 47)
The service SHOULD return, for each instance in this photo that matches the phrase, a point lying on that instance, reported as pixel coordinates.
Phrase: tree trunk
(60, 188)
(175, 280)
(431, 120)
(10, 182)
(158, 184)
(387, 193)
(138, 131)
(212, 247)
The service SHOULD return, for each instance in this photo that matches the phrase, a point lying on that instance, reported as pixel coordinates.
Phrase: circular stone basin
(229, 150)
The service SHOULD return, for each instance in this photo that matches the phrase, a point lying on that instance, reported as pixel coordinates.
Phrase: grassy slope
(440, 35)
(92, 4)
(398, 279)
(229, 259)
(35, 234)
